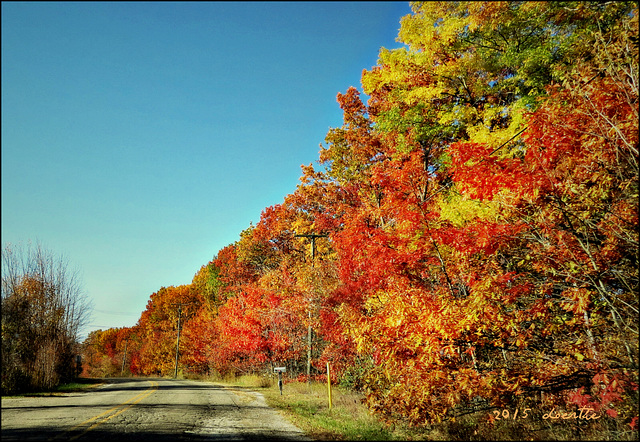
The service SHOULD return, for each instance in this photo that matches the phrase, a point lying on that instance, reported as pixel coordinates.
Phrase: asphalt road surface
(146, 410)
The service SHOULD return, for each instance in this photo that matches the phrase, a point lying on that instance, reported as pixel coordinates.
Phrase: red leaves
(478, 171)
(607, 392)
(239, 325)
(481, 237)
(518, 279)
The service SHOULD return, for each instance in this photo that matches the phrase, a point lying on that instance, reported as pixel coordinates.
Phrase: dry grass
(349, 419)
(308, 408)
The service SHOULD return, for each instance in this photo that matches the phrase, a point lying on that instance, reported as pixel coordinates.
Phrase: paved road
(146, 410)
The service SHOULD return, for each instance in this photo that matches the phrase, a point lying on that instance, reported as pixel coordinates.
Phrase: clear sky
(140, 138)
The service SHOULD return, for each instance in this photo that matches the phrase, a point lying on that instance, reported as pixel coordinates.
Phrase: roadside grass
(308, 409)
(80, 384)
(349, 419)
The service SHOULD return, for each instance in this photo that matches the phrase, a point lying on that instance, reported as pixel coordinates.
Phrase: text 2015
(505, 414)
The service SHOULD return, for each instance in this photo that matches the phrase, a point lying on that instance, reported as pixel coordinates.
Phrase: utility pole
(313, 237)
(124, 358)
(175, 374)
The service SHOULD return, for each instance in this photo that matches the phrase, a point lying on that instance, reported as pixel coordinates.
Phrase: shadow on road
(165, 384)
(216, 421)
(146, 436)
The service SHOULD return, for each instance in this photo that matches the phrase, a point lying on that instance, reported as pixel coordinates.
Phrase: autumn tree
(111, 352)
(43, 309)
(157, 327)
(425, 191)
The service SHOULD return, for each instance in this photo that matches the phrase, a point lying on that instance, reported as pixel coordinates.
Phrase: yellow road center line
(139, 397)
(108, 411)
(144, 395)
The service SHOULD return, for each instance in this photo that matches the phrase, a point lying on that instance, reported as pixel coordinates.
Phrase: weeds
(348, 419)
(308, 408)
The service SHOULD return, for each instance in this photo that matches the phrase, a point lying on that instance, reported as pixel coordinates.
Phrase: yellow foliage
(460, 209)
(495, 137)
(395, 71)
(422, 94)
(459, 113)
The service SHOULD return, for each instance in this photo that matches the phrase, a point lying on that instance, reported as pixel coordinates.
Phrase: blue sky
(138, 139)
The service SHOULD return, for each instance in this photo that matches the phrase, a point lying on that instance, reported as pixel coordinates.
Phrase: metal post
(329, 386)
(175, 374)
(309, 347)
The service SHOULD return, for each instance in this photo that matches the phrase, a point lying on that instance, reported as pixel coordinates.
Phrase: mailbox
(279, 370)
